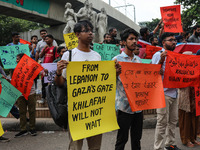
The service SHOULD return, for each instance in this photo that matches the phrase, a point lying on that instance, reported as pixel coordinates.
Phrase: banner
(36, 6)
(8, 97)
(24, 74)
(51, 67)
(171, 16)
(24, 42)
(143, 43)
(151, 50)
(107, 51)
(9, 54)
(181, 70)
(193, 47)
(143, 85)
(91, 98)
(71, 40)
(197, 99)
(1, 129)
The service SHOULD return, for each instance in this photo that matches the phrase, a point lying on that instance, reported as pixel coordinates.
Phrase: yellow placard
(1, 129)
(71, 40)
(91, 89)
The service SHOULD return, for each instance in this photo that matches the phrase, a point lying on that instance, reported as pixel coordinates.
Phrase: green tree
(11, 24)
(191, 13)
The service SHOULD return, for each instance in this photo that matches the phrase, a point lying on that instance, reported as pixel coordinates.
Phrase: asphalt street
(58, 140)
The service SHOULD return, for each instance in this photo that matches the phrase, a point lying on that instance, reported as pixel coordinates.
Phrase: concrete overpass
(51, 12)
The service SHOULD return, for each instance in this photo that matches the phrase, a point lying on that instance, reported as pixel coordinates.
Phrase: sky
(146, 10)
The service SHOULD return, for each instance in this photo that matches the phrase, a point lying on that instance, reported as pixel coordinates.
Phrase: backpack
(57, 102)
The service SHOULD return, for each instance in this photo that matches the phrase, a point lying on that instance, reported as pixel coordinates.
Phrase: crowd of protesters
(179, 102)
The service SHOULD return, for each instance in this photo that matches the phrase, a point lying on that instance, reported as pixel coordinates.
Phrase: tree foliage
(152, 24)
(11, 24)
(191, 13)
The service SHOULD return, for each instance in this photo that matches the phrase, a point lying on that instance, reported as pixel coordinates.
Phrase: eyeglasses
(87, 31)
(171, 40)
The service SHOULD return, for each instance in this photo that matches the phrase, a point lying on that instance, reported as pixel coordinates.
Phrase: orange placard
(151, 50)
(24, 74)
(197, 99)
(24, 42)
(181, 70)
(171, 17)
(143, 85)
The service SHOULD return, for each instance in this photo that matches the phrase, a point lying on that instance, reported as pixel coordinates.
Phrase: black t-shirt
(114, 41)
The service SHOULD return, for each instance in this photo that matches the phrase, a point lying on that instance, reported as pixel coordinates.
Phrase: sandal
(196, 142)
(190, 144)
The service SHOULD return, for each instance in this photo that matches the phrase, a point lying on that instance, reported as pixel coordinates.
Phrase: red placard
(143, 85)
(151, 50)
(24, 74)
(181, 70)
(171, 17)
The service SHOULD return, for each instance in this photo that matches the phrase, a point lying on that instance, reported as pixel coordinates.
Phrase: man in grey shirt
(195, 37)
(41, 44)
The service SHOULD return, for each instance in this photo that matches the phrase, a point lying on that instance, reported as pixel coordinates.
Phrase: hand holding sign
(181, 70)
(51, 67)
(24, 74)
(143, 85)
(91, 98)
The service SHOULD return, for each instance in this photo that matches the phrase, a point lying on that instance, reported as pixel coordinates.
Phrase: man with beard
(127, 120)
(113, 34)
(166, 117)
(15, 39)
(154, 41)
(107, 38)
(195, 37)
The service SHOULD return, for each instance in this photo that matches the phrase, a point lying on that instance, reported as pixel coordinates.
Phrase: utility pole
(109, 2)
(127, 6)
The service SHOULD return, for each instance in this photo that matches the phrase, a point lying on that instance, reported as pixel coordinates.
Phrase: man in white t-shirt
(83, 31)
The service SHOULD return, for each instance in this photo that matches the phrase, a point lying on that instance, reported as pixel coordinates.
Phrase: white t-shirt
(78, 55)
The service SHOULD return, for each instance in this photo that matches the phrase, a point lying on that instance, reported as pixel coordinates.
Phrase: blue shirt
(121, 102)
(12, 44)
(171, 92)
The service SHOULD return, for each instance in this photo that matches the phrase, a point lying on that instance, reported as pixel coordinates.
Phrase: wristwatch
(58, 75)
